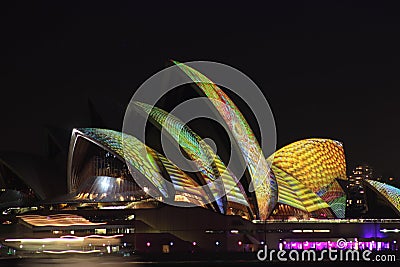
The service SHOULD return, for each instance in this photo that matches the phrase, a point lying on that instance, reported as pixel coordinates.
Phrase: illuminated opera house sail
(307, 173)
(99, 170)
(261, 175)
(389, 193)
(210, 164)
(300, 179)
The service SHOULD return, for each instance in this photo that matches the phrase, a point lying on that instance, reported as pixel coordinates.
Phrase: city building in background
(357, 205)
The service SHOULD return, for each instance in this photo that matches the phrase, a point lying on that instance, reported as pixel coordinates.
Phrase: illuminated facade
(108, 166)
(210, 165)
(99, 171)
(295, 194)
(260, 172)
(105, 177)
(389, 193)
(187, 190)
(116, 195)
(315, 164)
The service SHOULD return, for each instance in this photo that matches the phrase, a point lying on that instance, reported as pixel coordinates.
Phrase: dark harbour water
(77, 261)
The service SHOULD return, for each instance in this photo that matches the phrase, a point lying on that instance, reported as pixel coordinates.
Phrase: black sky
(328, 69)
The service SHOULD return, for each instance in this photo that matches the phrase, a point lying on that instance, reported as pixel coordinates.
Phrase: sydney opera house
(124, 191)
(302, 179)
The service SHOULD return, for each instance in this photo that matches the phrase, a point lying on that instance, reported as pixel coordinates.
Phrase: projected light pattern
(331, 191)
(194, 146)
(187, 190)
(263, 180)
(199, 151)
(112, 140)
(313, 162)
(388, 192)
(286, 194)
(291, 192)
(334, 195)
(306, 170)
(338, 206)
(233, 188)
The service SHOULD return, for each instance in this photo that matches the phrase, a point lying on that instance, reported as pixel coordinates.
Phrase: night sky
(327, 69)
